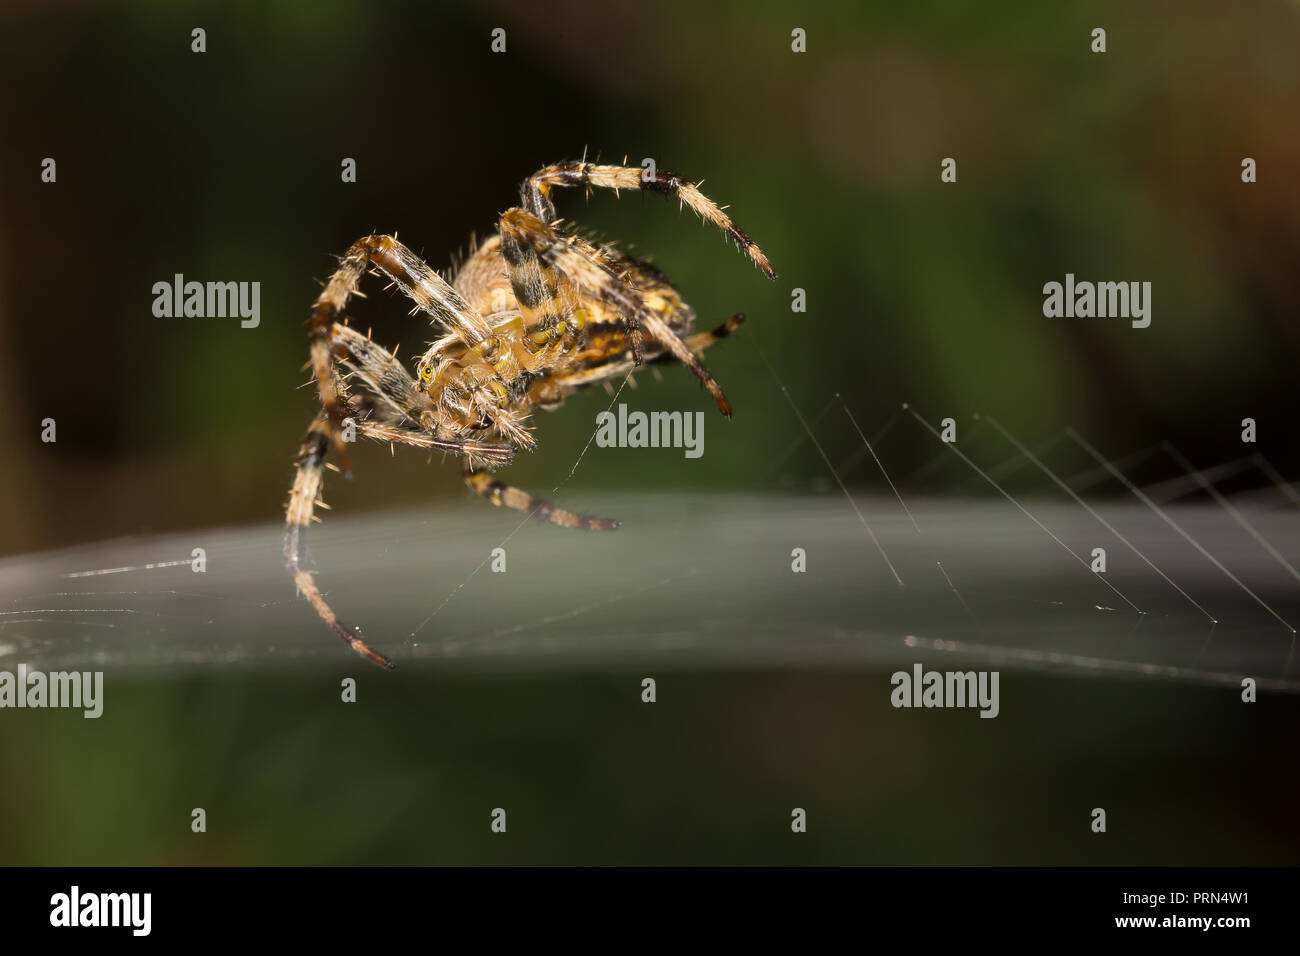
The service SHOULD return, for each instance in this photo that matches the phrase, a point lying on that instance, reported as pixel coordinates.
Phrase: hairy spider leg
(414, 277)
(696, 343)
(401, 402)
(305, 496)
(523, 234)
(390, 386)
(498, 493)
(702, 340)
(536, 197)
(479, 454)
(302, 508)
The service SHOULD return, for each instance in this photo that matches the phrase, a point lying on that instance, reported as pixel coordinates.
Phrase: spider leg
(393, 390)
(536, 196)
(696, 343)
(477, 454)
(396, 401)
(523, 233)
(302, 505)
(702, 340)
(501, 494)
(430, 291)
(306, 495)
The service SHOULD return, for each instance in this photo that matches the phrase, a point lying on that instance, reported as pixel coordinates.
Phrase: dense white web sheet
(689, 580)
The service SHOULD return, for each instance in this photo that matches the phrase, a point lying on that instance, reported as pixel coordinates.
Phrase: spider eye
(426, 374)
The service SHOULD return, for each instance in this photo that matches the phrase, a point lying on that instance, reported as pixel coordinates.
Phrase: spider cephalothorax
(534, 313)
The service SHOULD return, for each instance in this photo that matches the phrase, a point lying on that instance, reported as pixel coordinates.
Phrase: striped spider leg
(429, 290)
(395, 403)
(525, 240)
(536, 197)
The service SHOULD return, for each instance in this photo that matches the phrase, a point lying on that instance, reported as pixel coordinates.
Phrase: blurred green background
(226, 166)
(590, 775)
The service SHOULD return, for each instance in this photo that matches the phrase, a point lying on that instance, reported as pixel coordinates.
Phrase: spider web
(1194, 593)
(691, 579)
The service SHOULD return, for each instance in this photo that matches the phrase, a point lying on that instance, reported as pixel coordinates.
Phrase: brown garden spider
(535, 313)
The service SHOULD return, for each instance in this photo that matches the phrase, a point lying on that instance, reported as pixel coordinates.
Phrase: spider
(533, 314)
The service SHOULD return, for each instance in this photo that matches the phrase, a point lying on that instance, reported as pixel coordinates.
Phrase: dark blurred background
(226, 166)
